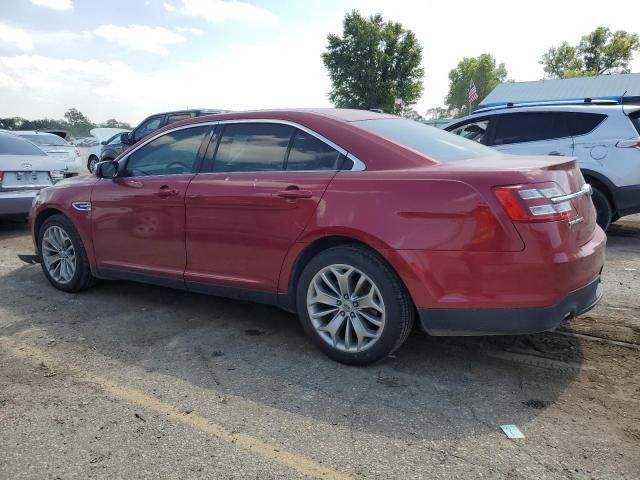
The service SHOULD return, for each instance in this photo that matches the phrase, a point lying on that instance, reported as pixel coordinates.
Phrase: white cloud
(221, 11)
(140, 37)
(194, 31)
(54, 4)
(15, 36)
(169, 7)
(258, 76)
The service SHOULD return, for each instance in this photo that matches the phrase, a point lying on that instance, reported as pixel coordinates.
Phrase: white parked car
(101, 134)
(57, 147)
(24, 170)
(604, 136)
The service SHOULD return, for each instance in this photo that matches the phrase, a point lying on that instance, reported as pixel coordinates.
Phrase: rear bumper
(16, 203)
(626, 199)
(510, 321)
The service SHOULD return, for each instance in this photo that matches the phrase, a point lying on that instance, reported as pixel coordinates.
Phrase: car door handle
(294, 193)
(165, 192)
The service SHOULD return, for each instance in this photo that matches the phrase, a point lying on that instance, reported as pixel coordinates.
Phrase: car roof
(341, 114)
(591, 108)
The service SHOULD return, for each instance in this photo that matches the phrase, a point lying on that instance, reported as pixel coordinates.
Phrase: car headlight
(56, 175)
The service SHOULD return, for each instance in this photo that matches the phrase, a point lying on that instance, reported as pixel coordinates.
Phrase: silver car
(24, 170)
(55, 146)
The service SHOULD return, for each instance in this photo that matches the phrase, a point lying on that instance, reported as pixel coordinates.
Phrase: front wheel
(91, 164)
(353, 305)
(63, 256)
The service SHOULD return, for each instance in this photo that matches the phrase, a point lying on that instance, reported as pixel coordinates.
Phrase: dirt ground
(132, 381)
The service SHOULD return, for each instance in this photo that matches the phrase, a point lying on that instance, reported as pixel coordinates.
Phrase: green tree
(436, 113)
(77, 123)
(599, 53)
(113, 123)
(374, 64)
(485, 74)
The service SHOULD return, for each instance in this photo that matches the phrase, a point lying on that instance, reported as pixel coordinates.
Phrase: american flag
(473, 92)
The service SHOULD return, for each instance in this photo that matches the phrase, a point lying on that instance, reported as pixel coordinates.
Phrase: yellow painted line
(299, 463)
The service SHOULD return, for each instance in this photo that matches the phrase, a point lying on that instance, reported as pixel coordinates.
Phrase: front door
(138, 219)
(246, 212)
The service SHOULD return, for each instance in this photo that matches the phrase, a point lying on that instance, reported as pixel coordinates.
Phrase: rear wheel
(353, 305)
(63, 256)
(604, 211)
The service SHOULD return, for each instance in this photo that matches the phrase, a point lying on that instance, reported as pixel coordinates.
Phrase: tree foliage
(374, 64)
(75, 122)
(485, 74)
(598, 53)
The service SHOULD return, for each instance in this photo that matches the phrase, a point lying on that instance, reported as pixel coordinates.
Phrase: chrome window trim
(358, 165)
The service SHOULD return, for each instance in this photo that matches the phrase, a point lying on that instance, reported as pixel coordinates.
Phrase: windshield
(430, 141)
(45, 139)
(13, 145)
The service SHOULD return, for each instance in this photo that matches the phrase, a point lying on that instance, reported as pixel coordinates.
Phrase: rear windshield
(430, 141)
(635, 119)
(45, 139)
(13, 145)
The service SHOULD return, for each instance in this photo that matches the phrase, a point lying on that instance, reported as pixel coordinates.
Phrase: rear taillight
(630, 143)
(532, 203)
(77, 152)
(1, 177)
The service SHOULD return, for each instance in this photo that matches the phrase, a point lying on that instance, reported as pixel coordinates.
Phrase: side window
(473, 131)
(115, 140)
(529, 127)
(309, 153)
(171, 154)
(146, 128)
(582, 123)
(176, 117)
(252, 147)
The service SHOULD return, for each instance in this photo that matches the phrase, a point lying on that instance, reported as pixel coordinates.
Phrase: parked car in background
(24, 170)
(603, 136)
(358, 221)
(85, 142)
(104, 136)
(55, 146)
(159, 120)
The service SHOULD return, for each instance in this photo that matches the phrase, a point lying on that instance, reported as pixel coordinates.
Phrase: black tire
(82, 277)
(92, 162)
(604, 211)
(399, 309)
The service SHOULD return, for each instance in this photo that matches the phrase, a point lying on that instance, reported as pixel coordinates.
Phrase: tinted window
(528, 127)
(147, 127)
(176, 117)
(171, 154)
(635, 119)
(12, 145)
(582, 123)
(432, 142)
(115, 140)
(252, 147)
(45, 139)
(309, 153)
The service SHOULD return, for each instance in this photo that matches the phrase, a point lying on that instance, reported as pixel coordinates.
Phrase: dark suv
(159, 120)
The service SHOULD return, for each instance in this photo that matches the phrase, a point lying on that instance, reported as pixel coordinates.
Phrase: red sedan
(358, 221)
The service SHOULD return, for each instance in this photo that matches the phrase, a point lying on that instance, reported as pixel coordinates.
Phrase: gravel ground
(132, 381)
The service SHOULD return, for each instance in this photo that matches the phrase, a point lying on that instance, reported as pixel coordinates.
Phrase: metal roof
(603, 87)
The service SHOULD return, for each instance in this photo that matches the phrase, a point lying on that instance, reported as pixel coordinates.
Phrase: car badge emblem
(26, 165)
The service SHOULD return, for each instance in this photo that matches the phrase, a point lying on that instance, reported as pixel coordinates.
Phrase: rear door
(532, 133)
(254, 200)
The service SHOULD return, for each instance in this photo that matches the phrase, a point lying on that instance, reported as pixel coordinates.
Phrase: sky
(127, 59)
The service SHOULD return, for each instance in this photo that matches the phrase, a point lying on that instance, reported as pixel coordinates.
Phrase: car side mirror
(104, 142)
(126, 138)
(108, 169)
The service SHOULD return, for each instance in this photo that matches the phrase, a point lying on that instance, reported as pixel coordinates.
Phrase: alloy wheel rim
(58, 254)
(346, 308)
